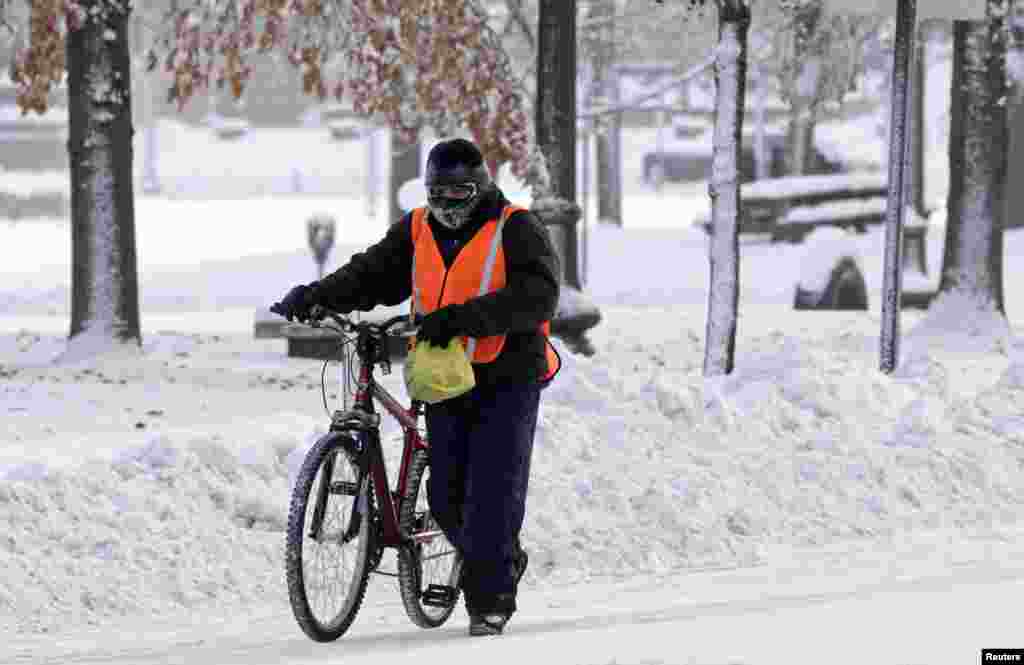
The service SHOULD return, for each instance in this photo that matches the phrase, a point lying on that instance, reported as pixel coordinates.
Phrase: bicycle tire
(414, 516)
(296, 563)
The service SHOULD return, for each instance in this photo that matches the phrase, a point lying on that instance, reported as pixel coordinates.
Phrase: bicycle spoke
(439, 555)
(427, 536)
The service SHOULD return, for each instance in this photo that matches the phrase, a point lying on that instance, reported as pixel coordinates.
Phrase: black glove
(440, 326)
(297, 303)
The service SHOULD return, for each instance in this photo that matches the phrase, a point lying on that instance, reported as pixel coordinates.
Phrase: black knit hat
(455, 161)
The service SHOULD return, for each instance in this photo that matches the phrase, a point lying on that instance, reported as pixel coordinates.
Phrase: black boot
(493, 623)
(493, 620)
(487, 624)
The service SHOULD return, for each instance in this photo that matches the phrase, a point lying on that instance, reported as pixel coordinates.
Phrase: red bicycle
(343, 515)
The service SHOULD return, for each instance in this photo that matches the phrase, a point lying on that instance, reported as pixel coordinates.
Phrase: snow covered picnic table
(790, 209)
(787, 209)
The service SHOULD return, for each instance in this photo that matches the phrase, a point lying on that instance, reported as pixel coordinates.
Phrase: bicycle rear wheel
(433, 560)
(328, 543)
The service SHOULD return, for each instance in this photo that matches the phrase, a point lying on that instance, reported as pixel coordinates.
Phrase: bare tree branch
(631, 104)
(3, 17)
(517, 15)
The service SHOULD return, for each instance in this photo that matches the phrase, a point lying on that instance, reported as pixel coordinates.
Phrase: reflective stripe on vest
(492, 255)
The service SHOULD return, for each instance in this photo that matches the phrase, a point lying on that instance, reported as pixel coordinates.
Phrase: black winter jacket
(382, 275)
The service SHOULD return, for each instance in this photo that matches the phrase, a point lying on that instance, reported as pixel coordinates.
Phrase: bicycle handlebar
(318, 313)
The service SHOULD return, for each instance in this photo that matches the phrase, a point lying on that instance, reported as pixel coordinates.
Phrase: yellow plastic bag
(434, 374)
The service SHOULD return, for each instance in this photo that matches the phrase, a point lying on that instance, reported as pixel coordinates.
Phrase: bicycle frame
(387, 517)
(363, 419)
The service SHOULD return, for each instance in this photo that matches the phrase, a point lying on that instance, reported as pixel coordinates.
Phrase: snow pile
(803, 444)
(822, 251)
(640, 465)
(956, 320)
(174, 522)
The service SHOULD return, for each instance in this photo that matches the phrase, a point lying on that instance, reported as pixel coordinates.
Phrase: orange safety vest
(479, 268)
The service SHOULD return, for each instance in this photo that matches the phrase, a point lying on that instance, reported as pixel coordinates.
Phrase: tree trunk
(723, 253)
(405, 165)
(803, 111)
(144, 111)
(800, 139)
(104, 292)
(556, 114)
(763, 157)
(1014, 208)
(609, 140)
(972, 263)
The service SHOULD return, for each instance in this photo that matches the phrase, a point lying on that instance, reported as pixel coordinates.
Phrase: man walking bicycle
(483, 270)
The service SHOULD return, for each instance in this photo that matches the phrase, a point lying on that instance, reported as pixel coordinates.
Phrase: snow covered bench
(787, 209)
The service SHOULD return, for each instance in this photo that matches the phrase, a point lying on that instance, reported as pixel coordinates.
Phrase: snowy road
(935, 600)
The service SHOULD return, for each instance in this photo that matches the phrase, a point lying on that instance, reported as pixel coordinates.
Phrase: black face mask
(453, 205)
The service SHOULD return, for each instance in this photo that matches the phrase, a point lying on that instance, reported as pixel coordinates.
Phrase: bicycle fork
(321, 499)
(358, 489)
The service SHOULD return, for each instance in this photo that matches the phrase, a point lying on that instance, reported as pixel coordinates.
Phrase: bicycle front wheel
(327, 551)
(432, 560)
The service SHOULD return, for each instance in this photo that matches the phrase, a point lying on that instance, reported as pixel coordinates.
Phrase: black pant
(480, 447)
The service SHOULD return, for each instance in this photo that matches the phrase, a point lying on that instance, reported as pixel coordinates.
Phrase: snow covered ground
(152, 487)
(804, 502)
(933, 599)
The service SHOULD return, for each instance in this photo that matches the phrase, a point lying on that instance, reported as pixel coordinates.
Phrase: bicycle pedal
(439, 595)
